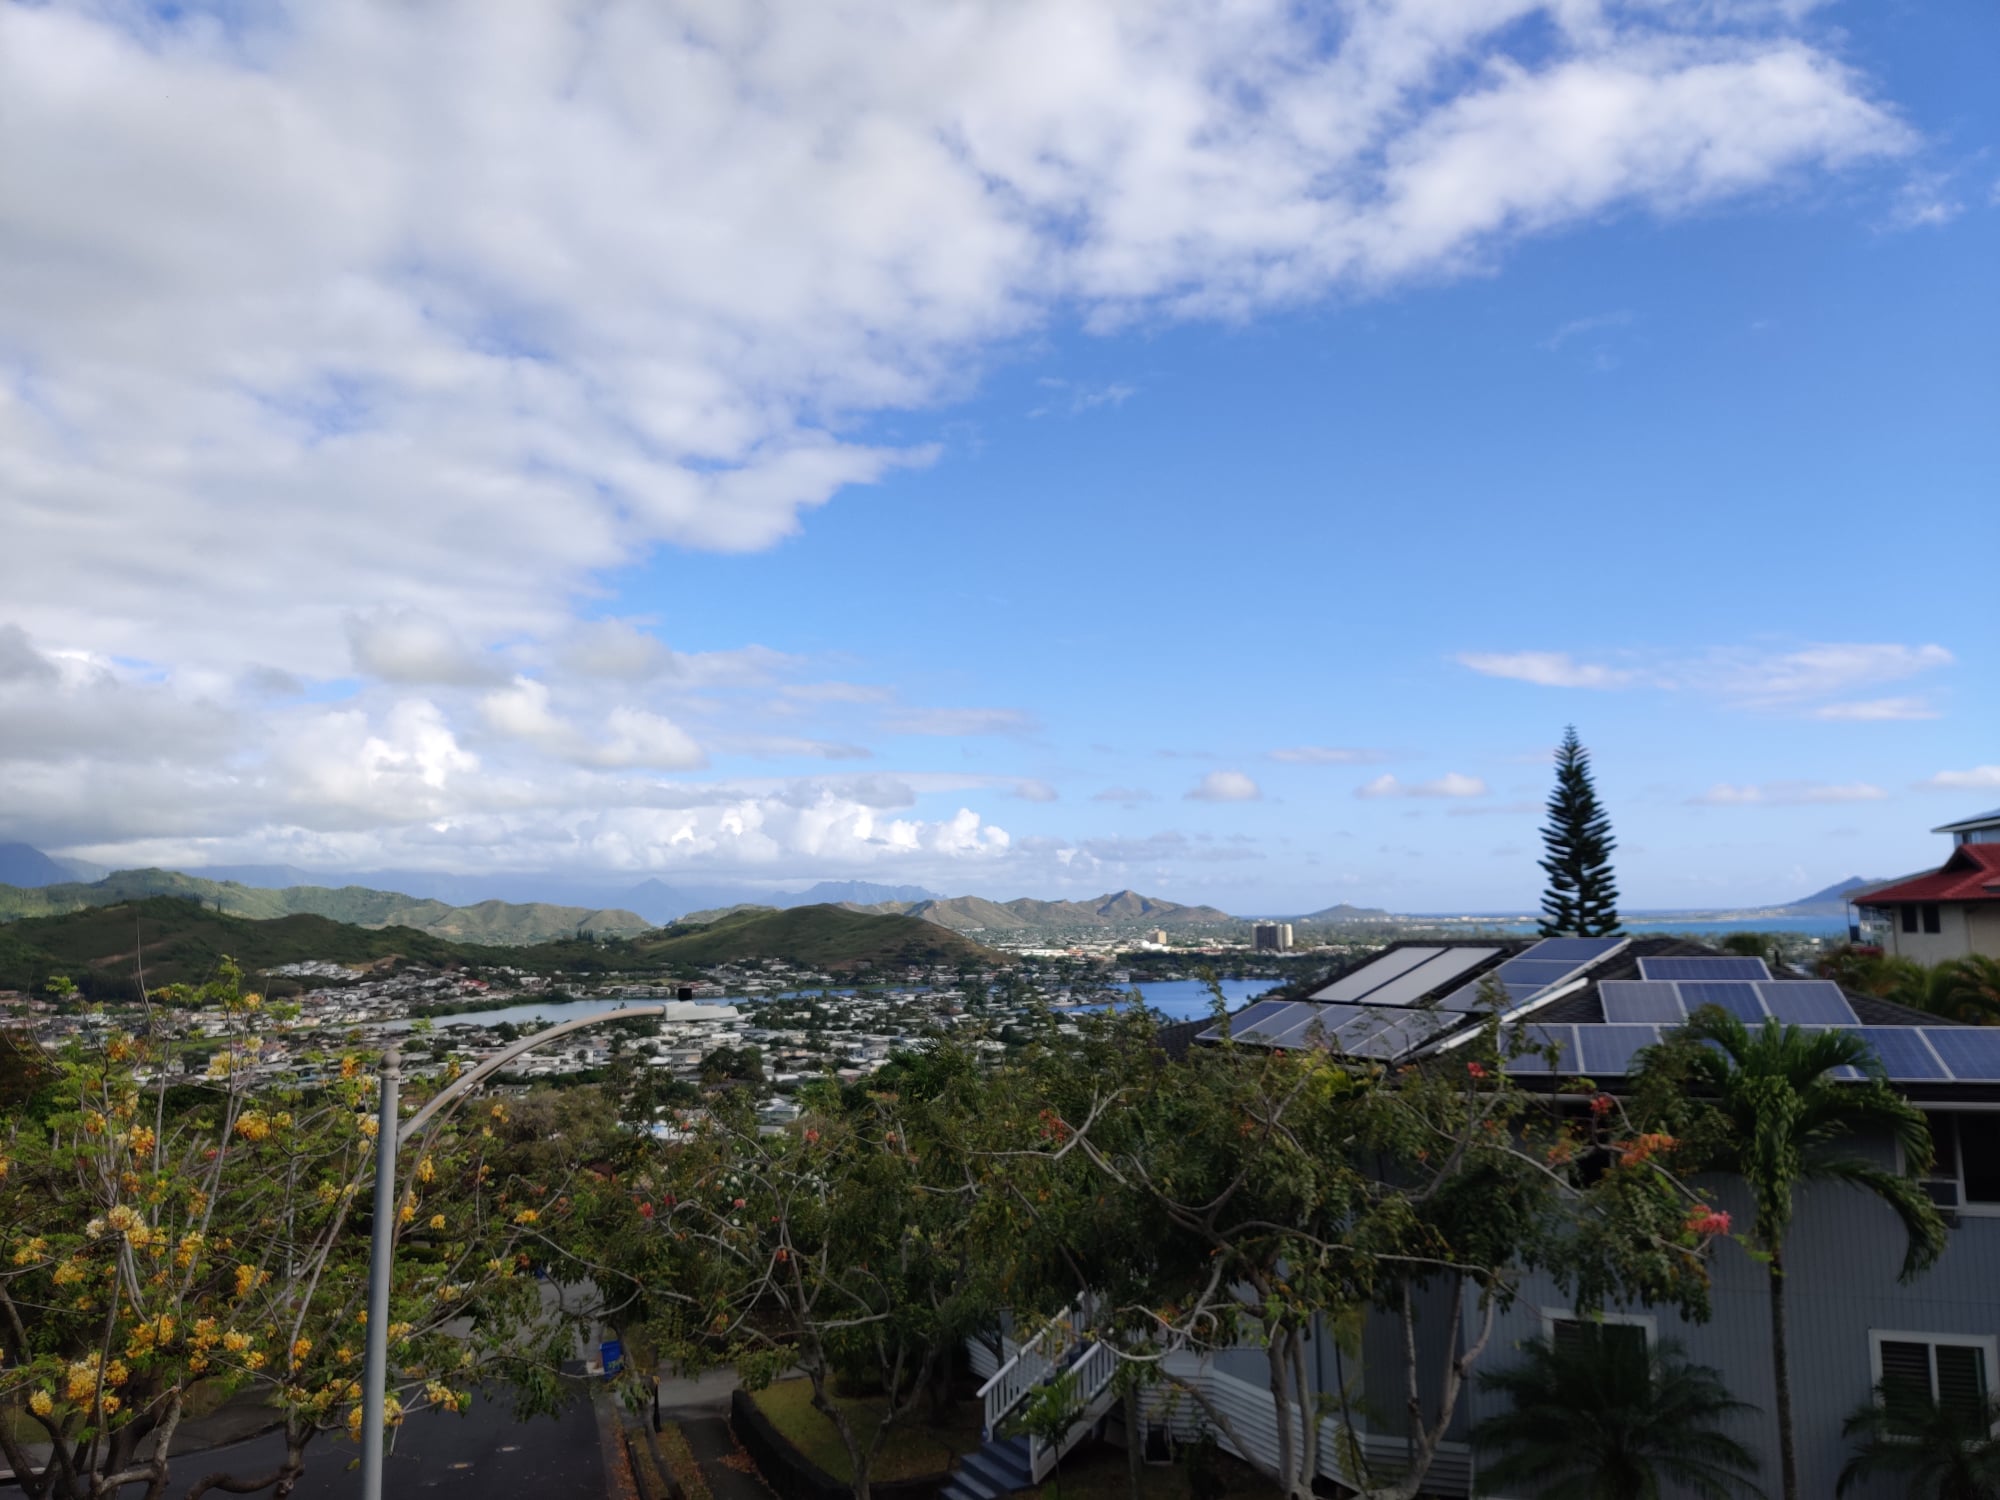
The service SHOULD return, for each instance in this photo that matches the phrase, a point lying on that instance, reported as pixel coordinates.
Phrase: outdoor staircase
(999, 1468)
(1007, 1464)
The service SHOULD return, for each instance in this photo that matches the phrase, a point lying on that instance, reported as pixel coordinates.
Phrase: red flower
(645, 1210)
(740, 1202)
(1708, 1221)
(1602, 1105)
(1477, 1070)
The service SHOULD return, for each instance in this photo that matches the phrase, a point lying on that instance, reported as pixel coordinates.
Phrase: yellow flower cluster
(34, 1250)
(440, 1394)
(190, 1250)
(527, 1216)
(142, 1140)
(426, 1170)
(69, 1273)
(368, 1125)
(301, 1347)
(93, 1123)
(248, 1279)
(235, 1342)
(350, 1067)
(41, 1404)
(253, 1125)
(81, 1380)
(437, 1221)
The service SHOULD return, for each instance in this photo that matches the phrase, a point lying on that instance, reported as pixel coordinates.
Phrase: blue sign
(612, 1353)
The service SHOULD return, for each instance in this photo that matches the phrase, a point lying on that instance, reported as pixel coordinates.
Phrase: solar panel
(1246, 1026)
(1807, 1002)
(1574, 951)
(1541, 1036)
(1408, 988)
(1406, 1030)
(1739, 999)
(1641, 1000)
(1971, 1052)
(1536, 971)
(1377, 972)
(1703, 968)
(1608, 1050)
(1307, 1023)
(1904, 1055)
(1247, 1018)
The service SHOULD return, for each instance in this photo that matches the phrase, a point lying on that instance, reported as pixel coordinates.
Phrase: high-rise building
(1272, 937)
(1158, 937)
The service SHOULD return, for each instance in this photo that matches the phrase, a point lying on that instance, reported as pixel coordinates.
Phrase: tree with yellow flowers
(156, 1237)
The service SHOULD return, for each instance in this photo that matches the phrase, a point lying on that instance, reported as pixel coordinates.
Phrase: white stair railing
(1009, 1385)
(1093, 1372)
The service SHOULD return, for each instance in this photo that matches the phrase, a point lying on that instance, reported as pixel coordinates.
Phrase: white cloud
(1787, 794)
(1546, 669)
(1596, 323)
(837, 692)
(1450, 785)
(1225, 786)
(1036, 791)
(417, 647)
(1124, 796)
(1745, 677)
(1877, 710)
(441, 315)
(1328, 755)
(958, 722)
(1979, 778)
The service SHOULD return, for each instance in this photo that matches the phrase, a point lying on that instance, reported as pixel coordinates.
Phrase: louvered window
(1954, 1372)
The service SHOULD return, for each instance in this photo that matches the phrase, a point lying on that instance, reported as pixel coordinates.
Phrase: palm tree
(1776, 1111)
(1946, 1449)
(1596, 1418)
(1967, 989)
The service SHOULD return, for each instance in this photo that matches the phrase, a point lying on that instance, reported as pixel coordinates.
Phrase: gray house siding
(1842, 1255)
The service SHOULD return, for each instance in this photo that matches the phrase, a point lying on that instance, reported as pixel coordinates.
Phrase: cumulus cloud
(1225, 786)
(443, 314)
(1979, 778)
(1787, 794)
(1328, 755)
(415, 646)
(1451, 785)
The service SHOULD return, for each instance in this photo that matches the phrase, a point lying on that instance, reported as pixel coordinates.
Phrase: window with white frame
(1965, 1169)
(1635, 1331)
(1954, 1370)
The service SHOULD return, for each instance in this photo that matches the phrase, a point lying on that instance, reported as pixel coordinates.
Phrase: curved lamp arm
(465, 1085)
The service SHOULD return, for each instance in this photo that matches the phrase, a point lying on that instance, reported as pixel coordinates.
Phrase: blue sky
(1102, 516)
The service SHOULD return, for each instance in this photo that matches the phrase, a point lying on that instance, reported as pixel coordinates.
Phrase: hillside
(1113, 912)
(495, 922)
(101, 947)
(1830, 902)
(1345, 913)
(823, 937)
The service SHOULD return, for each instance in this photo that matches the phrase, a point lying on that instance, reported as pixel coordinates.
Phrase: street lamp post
(389, 1135)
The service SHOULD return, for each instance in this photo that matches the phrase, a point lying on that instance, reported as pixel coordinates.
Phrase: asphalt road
(482, 1454)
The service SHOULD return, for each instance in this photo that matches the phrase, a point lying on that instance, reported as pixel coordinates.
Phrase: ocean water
(1187, 999)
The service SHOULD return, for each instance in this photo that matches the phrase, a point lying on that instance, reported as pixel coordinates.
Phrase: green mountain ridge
(1117, 909)
(824, 937)
(169, 939)
(504, 923)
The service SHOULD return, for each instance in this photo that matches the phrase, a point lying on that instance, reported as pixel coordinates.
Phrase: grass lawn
(1098, 1472)
(910, 1451)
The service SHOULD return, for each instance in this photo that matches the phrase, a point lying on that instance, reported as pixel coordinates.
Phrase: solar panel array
(1803, 1002)
(1703, 968)
(1908, 1054)
(1403, 975)
(1373, 1011)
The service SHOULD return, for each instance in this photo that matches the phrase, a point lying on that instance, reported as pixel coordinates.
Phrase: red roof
(1971, 874)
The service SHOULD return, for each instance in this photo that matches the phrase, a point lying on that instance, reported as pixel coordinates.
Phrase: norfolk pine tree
(1582, 897)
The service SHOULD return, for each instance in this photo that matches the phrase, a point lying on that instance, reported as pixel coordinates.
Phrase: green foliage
(1582, 895)
(155, 1239)
(1603, 1418)
(1941, 1451)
